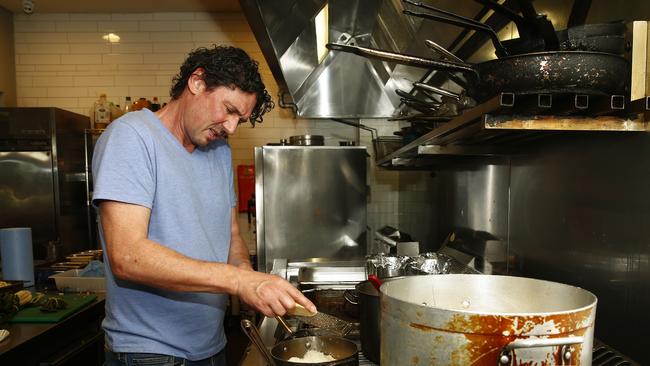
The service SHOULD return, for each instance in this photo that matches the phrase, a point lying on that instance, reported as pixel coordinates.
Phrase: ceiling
(122, 6)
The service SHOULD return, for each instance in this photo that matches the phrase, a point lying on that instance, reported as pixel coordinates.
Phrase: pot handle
(284, 326)
(351, 297)
(505, 358)
(251, 331)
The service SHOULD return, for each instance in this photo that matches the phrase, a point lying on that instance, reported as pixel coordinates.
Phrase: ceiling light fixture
(28, 6)
(111, 38)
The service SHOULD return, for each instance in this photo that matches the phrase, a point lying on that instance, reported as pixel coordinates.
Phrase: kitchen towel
(17, 255)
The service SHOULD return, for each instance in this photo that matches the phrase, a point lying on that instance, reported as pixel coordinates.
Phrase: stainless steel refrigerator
(42, 181)
(310, 203)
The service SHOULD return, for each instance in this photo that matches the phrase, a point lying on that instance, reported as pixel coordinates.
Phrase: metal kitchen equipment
(485, 320)
(540, 72)
(254, 335)
(310, 202)
(387, 265)
(307, 140)
(321, 320)
(42, 182)
(344, 351)
(313, 83)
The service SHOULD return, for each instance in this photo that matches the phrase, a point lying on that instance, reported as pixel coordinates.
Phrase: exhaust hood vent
(342, 85)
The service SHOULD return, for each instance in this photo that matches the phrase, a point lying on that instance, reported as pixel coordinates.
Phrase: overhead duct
(341, 85)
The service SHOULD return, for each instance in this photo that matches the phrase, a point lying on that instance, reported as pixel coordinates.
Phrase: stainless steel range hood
(341, 85)
(344, 85)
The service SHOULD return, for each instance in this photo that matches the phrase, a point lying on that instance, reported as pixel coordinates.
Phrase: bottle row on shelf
(104, 112)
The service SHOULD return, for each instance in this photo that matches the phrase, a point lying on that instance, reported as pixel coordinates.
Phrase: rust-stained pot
(463, 319)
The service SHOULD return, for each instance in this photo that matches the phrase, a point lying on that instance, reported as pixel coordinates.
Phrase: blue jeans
(152, 359)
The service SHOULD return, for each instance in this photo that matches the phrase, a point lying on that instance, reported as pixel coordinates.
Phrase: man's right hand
(270, 294)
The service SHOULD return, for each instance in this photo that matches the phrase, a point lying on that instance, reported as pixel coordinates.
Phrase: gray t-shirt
(137, 160)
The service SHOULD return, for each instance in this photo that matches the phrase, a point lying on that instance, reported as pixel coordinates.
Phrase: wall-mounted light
(28, 6)
(321, 22)
(111, 38)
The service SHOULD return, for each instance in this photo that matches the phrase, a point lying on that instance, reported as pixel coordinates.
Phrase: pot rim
(592, 305)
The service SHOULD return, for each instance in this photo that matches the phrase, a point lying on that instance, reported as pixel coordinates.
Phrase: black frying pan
(579, 72)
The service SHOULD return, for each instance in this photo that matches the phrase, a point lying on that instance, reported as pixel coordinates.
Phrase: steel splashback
(310, 203)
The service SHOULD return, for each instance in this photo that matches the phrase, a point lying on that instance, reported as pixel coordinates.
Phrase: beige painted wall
(62, 61)
(7, 62)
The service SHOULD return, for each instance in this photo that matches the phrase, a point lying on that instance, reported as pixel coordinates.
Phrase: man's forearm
(239, 255)
(150, 263)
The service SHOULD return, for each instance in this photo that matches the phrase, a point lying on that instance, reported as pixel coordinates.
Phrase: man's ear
(195, 82)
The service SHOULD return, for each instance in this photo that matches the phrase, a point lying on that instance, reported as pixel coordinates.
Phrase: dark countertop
(52, 343)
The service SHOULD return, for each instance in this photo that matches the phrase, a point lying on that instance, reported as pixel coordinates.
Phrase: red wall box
(245, 185)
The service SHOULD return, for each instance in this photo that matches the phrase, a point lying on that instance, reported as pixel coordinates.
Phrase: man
(168, 226)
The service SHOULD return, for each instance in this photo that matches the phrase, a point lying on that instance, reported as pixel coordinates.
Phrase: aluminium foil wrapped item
(387, 265)
(430, 263)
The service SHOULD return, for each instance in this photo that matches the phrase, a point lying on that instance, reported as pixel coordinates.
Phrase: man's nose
(231, 125)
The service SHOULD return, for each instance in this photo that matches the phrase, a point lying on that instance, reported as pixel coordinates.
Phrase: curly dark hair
(225, 66)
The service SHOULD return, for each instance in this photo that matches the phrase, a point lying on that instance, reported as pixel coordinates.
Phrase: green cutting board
(35, 315)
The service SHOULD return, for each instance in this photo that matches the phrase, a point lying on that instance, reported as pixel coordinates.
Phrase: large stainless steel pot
(460, 319)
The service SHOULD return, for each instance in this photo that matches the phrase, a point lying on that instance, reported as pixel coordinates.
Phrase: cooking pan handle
(351, 297)
(436, 90)
(522, 27)
(442, 51)
(284, 326)
(251, 331)
(461, 21)
(505, 358)
(501, 51)
(542, 25)
(402, 59)
(578, 13)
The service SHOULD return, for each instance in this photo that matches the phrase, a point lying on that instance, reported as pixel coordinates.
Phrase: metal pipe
(284, 104)
(373, 131)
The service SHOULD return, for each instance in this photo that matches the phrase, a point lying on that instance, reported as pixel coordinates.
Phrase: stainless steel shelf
(497, 126)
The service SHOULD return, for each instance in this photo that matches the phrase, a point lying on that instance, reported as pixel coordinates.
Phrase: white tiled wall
(62, 61)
